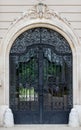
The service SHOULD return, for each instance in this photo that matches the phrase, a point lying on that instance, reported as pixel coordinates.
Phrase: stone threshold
(41, 127)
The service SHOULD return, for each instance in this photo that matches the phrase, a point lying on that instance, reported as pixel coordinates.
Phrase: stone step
(41, 127)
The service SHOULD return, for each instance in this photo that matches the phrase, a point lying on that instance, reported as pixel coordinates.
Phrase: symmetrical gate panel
(40, 78)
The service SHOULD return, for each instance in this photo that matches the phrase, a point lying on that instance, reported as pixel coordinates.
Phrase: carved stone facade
(40, 11)
(40, 16)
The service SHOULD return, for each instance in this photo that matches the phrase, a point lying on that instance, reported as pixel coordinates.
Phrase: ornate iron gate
(40, 77)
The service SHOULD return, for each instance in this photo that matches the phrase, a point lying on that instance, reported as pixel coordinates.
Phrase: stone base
(6, 116)
(2, 111)
(75, 116)
(78, 108)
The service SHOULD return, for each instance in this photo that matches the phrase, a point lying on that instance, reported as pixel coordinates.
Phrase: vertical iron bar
(40, 64)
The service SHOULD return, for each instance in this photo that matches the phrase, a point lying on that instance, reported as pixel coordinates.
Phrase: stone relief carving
(40, 11)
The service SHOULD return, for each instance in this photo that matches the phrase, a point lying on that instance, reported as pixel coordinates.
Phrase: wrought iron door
(40, 78)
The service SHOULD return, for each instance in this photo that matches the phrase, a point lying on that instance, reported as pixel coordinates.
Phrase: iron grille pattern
(41, 77)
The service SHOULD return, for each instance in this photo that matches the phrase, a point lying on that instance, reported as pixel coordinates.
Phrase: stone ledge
(41, 127)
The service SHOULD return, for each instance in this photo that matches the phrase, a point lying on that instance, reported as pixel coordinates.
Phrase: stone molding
(41, 11)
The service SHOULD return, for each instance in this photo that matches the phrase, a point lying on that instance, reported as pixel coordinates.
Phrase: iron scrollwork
(41, 67)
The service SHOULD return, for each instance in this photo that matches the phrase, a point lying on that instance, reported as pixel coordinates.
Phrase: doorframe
(54, 22)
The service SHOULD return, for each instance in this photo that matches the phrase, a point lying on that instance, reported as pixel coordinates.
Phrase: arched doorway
(41, 77)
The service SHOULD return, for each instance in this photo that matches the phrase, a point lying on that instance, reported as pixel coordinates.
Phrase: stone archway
(40, 16)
